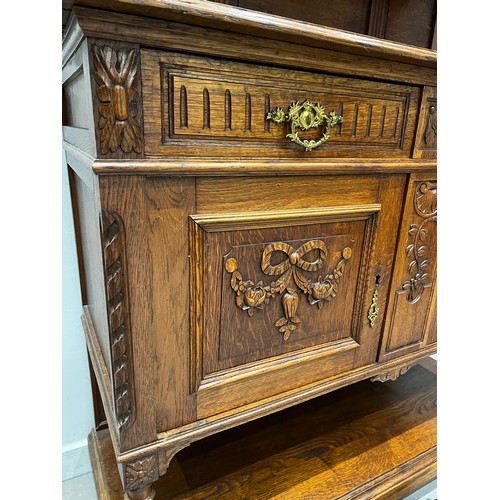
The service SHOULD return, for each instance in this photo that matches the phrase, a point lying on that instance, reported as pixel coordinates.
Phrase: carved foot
(391, 374)
(139, 478)
(148, 493)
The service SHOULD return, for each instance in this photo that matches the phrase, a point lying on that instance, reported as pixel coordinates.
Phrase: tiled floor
(83, 487)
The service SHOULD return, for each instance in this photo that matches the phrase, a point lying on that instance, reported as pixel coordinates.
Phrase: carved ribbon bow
(251, 296)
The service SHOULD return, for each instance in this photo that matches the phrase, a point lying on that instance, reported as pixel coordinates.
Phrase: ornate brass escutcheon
(305, 116)
(374, 309)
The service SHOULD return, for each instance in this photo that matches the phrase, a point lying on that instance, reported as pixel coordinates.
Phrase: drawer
(197, 106)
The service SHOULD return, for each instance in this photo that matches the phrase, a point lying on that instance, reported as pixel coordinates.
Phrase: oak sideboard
(255, 210)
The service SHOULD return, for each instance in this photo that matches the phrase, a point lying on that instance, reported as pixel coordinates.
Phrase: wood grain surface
(173, 36)
(195, 202)
(202, 106)
(366, 441)
(228, 18)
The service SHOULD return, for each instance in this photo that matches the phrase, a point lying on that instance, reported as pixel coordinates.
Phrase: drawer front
(280, 298)
(197, 106)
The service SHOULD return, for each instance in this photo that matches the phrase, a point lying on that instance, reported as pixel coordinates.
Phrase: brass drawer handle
(305, 116)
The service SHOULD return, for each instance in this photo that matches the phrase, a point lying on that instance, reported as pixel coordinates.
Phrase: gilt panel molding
(113, 240)
(118, 95)
(425, 206)
(251, 296)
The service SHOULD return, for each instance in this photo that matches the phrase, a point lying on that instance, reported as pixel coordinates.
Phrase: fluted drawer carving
(203, 100)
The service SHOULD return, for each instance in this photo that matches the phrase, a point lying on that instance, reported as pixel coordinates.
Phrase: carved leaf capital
(118, 95)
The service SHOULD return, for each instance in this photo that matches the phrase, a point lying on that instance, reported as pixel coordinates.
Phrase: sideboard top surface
(239, 20)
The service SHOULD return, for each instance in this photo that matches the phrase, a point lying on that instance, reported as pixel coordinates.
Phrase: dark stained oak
(243, 250)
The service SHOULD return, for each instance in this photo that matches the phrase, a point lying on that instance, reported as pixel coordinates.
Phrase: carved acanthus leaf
(118, 94)
(391, 374)
(425, 204)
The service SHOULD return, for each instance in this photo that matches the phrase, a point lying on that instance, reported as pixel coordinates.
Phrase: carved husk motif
(425, 205)
(117, 304)
(118, 94)
(251, 296)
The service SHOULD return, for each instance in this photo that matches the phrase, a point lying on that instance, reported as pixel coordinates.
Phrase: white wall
(77, 408)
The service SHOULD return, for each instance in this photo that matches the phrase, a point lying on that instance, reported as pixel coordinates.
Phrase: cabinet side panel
(77, 103)
(127, 241)
(91, 261)
(169, 201)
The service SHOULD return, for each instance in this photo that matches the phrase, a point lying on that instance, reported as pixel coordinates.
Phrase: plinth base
(370, 440)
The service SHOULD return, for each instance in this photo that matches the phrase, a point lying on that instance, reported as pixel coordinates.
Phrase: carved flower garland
(252, 296)
(116, 75)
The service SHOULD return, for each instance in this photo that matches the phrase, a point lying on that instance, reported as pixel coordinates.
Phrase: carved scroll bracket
(391, 374)
(251, 296)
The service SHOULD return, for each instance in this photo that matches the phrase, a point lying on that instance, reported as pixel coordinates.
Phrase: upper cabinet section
(193, 79)
(412, 23)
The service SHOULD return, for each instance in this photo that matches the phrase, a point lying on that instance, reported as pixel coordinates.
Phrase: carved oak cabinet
(255, 208)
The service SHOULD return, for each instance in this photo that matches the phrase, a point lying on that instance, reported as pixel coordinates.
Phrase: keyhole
(377, 280)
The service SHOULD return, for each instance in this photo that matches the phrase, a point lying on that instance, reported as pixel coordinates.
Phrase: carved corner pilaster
(117, 99)
(392, 374)
(140, 475)
(113, 241)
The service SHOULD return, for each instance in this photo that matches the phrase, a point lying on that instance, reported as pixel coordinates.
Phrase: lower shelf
(370, 440)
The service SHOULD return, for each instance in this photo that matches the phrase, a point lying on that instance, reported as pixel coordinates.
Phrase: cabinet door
(411, 310)
(280, 296)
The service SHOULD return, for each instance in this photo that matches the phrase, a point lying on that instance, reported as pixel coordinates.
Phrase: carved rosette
(118, 94)
(251, 296)
(113, 239)
(425, 205)
(140, 474)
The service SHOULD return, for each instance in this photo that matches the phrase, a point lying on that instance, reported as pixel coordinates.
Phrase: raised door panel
(280, 298)
(411, 312)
